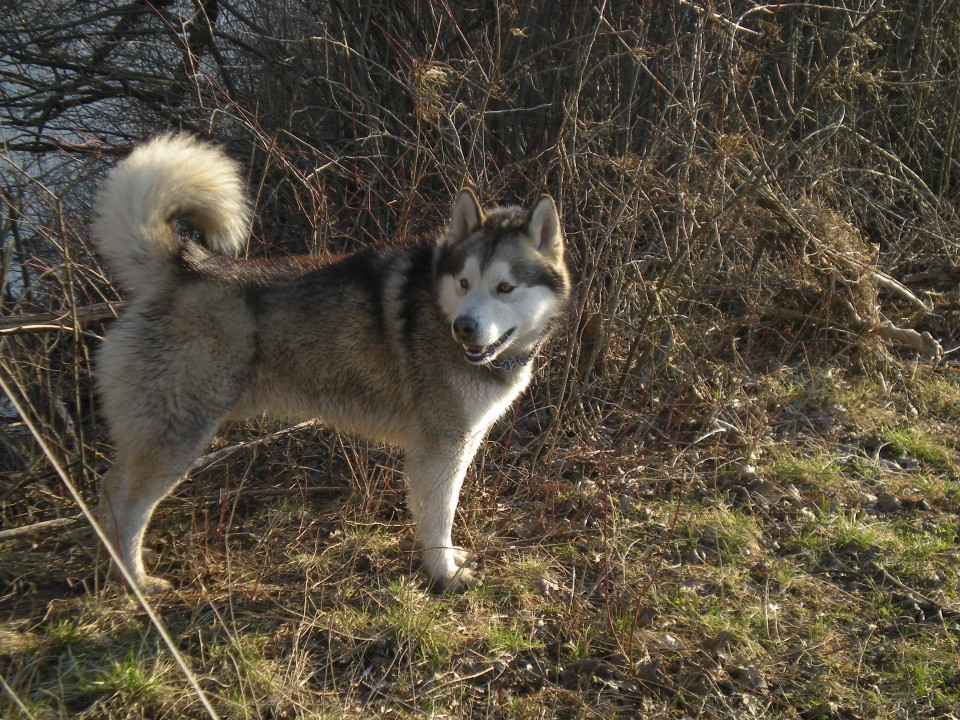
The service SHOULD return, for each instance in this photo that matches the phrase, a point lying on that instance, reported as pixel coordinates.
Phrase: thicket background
(761, 208)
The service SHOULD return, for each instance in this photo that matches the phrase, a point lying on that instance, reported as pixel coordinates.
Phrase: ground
(795, 554)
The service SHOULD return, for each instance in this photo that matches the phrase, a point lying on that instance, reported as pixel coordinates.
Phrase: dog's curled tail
(171, 176)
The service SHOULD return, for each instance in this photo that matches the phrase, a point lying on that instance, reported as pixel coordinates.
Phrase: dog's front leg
(435, 471)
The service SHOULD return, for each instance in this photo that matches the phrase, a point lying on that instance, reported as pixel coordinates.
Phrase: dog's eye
(464, 283)
(504, 288)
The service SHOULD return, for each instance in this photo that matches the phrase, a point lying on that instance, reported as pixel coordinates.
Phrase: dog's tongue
(474, 349)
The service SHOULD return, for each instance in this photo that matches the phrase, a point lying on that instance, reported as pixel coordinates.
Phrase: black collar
(516, 362)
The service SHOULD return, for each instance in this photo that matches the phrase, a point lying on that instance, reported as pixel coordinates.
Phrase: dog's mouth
(479, 354)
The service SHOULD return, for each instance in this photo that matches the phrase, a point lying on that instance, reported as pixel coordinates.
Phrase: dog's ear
(543, 227)
(467, 216)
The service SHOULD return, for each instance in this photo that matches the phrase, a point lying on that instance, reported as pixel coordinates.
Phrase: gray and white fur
(422, 347)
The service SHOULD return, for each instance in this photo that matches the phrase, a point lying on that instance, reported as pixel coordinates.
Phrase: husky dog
(423, 347)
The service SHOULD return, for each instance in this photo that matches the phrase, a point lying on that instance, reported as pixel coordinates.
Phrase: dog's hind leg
(139, 479)
(435, 471)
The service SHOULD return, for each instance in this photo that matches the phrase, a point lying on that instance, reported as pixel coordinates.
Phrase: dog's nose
(464, 327)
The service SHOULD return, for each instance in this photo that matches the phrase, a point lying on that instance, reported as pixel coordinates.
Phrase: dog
(421, 347)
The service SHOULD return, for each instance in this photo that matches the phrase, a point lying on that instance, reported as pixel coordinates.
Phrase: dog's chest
(485, 402)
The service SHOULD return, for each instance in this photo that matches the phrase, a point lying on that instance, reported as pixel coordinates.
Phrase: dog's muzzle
(479, 354)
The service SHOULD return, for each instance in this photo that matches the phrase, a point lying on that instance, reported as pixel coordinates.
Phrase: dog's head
(502, 276)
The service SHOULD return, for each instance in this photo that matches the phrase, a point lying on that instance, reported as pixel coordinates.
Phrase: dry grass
(732, 489)
(814, 575)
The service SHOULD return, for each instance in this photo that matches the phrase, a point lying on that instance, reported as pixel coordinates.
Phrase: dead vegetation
(733, 490)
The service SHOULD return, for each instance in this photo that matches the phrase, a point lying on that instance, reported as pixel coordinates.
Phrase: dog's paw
(449, 569)
(463, 579)
(152, 586)
(463, 558)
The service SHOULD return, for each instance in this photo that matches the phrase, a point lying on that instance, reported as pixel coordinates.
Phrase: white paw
(463, 558)
(149, 585)
(462, 579)
(448, 568)
(152, 586)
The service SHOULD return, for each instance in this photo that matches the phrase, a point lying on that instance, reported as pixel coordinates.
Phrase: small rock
(909, 464)
(646, 616)
(668, 642)
(579, 673)
(888, 502)
(915, 502)
(749, 677)
(807, 514)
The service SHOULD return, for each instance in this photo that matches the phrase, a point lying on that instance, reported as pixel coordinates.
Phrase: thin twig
(68, 321)
(36, 527)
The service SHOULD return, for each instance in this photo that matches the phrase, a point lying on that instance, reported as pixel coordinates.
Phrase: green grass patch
(799, 465)
(940, 396)
(725, 537)
(914, 442)
(418, 623)
(509, 636)
(134, 679)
